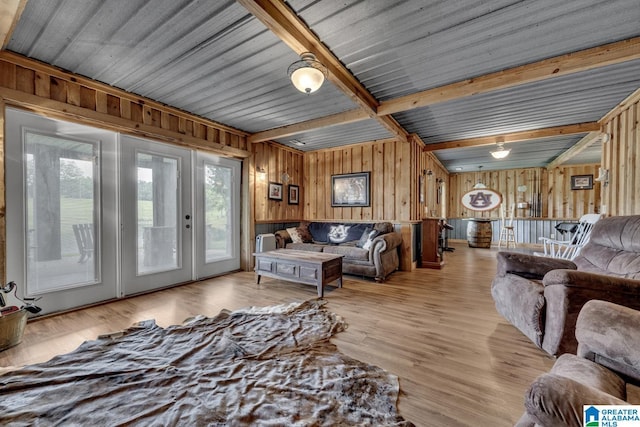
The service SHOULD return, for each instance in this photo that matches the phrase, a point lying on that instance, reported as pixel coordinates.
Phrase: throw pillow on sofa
(372, 235)
(295, 236)
(367, 238)
(300, 234)
(303, 232)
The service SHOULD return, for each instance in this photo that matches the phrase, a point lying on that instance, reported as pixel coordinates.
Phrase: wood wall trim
(46, 90)
(576, 149)
(60, 110)
(75, 79)
(516, 136)
(626, 103)
(588, 59)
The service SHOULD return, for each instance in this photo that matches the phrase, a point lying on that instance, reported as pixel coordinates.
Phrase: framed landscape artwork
(294, 194)
(275, 191)
(581, 182)
(350, 190)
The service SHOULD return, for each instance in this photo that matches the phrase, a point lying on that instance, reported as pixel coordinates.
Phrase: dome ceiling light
(500, 152)
(307, 74)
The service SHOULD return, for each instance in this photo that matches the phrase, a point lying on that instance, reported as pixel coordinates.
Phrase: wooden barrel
(479, 234)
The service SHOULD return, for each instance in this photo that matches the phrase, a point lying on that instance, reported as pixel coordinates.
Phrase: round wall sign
(481, 199)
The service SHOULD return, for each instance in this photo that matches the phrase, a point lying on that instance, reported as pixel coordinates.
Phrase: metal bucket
(11, 328)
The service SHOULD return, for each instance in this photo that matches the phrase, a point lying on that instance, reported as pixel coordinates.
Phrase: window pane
(61, 193)
(217, 197)
(158, 203)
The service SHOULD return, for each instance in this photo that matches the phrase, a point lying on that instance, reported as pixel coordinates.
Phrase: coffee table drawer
(265, 265)
(287, 269)
(308, 273)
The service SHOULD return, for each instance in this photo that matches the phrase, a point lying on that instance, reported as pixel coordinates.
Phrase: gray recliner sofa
(543, 296)
(375, 259)
(607, 360)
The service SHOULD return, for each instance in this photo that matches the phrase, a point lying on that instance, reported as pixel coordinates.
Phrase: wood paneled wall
(394, 181)
(435, 179)
(548, 192)
(562, 201)
(275, 160)
(621, 156)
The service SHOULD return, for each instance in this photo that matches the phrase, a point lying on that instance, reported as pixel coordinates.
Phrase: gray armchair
(543, 296)
(608, 358)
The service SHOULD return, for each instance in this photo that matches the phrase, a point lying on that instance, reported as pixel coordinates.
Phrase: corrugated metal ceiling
(216, 60)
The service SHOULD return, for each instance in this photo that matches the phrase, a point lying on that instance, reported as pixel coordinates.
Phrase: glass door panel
(62, 205)
(157, 202)
(218, 229)
(217, 198)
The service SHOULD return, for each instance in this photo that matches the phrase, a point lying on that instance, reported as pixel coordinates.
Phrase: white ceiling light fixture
(500, 152)
(307, 74)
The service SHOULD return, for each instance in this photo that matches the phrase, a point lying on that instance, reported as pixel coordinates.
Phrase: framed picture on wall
(581, 182)
(294, 194)
(275, 191)
(350, 190)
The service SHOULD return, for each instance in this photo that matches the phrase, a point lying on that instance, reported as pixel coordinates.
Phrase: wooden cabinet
(431, 250)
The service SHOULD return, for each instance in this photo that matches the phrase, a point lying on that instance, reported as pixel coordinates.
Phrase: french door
(61, 210)
(156, 215)
(217, 193)
(94, 215)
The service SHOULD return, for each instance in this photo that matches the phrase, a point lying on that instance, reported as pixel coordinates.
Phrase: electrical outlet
(553, 236)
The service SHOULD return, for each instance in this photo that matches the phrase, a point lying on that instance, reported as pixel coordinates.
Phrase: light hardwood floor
(459, 362)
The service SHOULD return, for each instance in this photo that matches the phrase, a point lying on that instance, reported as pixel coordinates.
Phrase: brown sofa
(608, 359)
(543, 296)
(376, 259)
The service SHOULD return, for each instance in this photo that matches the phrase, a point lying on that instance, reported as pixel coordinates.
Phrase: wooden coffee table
(312, 268)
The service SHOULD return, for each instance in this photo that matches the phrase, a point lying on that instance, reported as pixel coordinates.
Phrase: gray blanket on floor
(270, 366)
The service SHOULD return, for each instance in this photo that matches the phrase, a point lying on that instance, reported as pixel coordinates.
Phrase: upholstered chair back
(614, 248)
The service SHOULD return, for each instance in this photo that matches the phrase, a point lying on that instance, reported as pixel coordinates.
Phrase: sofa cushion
(351, 253)
(311, 247)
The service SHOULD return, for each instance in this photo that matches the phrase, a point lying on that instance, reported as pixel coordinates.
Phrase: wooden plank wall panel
(277, 159)
(550, 190)
(431, 208)
(621, 156)
(29, 77)
(391, 167)
(566, 203)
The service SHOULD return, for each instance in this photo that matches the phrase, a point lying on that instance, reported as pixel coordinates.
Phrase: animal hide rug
(270, 366)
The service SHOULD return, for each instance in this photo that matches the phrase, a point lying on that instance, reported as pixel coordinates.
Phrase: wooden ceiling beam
(287, 26)
(10, 11)
(577, 148)
(345, 117)
(588, 59)
(516, 136)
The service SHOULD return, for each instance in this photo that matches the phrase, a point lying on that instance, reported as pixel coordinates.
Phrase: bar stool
(507, 230)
